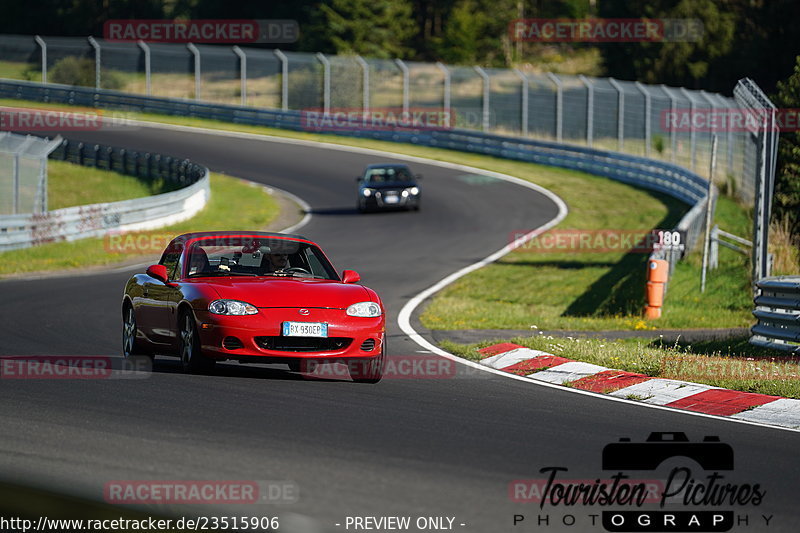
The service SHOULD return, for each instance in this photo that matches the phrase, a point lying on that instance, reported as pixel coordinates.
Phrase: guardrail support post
(404, 70)
(524, 113)
(147, 77)
(284, 79)
(486, 88)
(326, 82)
(242, 73)
(445, 91)
(97, 59)
(364, 83)
(559, 105)
(589, 109)
(196, 52)
(648, 106)
(43, 47)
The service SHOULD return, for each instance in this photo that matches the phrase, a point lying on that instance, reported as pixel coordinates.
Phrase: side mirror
(350, 276)
(158, 272)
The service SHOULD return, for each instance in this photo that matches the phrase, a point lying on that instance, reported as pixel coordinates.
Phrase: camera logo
(710, 453)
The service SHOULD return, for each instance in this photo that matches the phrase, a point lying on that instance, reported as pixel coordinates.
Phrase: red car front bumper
(259, 336)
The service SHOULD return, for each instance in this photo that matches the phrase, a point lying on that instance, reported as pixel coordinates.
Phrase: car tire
(192, 358)
(367, 369)
(131, 347)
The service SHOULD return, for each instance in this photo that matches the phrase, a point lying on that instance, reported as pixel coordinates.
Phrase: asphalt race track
(445, 447)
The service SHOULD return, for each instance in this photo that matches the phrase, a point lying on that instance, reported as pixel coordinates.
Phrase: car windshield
(246, 256)
(389, 175)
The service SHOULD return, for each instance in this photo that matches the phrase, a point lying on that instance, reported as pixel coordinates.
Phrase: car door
(156, 310)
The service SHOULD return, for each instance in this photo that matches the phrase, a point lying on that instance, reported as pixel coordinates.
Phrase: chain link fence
(23, 173)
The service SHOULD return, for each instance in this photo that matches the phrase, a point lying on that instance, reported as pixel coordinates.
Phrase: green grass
(731, 364)
(234, 205)
(590, 291)
(17, 70)
(70, 185)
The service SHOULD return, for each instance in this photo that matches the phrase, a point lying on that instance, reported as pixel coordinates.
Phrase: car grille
(232, 343)
(368, 345)
(303, 344)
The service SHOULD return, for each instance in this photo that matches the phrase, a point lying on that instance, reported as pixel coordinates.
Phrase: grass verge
(731, 364)
(234, 205)
(590, 291)
(70, 185)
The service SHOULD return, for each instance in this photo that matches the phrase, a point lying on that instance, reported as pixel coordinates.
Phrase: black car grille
(303, 344)
(232, 343)
(368, 345)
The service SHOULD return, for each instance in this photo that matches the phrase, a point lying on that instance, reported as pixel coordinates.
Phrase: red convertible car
(254, 297)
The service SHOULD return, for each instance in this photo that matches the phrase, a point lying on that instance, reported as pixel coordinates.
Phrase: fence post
(284, 79)
(648, 108)
(445, 90)
(97, 58)
(326, 82)
(692, 133)
(364, 83)
(620, 114)
(559, 105)
(43, 46)
(404, 69)
(589, 109)
(524, 117)
(673, 139)
(146, 49)
(196, 52)
(242, 72)
(485, 113)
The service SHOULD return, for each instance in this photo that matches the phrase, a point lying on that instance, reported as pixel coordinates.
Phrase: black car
(388, 186)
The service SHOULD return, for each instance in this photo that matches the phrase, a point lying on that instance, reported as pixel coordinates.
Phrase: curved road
(407, 447)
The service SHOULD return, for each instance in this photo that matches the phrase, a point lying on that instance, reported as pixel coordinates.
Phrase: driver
(275, 262)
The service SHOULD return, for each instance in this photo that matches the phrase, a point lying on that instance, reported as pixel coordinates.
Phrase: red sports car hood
(289, 292)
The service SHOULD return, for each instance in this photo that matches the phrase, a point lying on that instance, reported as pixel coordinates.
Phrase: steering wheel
(297, 270)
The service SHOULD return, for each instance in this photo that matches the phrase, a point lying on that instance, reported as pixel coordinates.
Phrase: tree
(375, 28)
(786, 204)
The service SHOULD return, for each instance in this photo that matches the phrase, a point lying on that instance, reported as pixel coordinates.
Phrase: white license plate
(391, 199)
(305, 329)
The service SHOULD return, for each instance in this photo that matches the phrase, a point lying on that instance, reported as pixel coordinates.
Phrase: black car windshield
(247, 256)
(376, 176)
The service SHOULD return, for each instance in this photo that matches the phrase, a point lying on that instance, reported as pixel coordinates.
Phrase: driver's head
(278, 261)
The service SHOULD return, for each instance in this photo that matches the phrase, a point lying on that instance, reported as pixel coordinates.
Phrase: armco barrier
(190, 179)
(778, 314)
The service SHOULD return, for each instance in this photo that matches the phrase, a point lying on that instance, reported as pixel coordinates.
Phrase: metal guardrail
(95, 220)
(778, 314)
(23, 173)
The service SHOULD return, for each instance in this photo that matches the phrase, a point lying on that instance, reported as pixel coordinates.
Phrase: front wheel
(192, 358)
(367, 370)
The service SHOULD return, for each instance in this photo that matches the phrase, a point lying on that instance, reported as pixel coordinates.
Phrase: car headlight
(231, 307)
(365, 309)
(367, 192)
(413, 190)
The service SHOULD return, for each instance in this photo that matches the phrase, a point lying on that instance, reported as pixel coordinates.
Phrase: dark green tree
(786, 204)
(375, 28)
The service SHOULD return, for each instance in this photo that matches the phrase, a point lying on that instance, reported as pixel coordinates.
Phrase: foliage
(786, 204)
(73, 70)
(377, 28)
